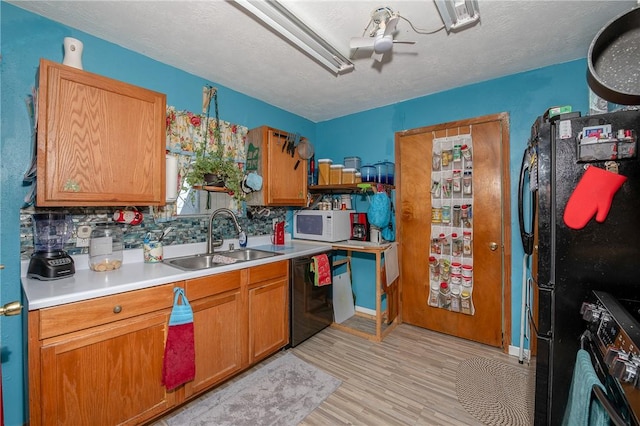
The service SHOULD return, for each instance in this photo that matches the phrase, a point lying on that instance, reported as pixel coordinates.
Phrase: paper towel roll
(172, 178)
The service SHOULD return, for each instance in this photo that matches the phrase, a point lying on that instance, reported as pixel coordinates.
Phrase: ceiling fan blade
(390, 26)
(359, 42)
(378, 56)
(403, 42)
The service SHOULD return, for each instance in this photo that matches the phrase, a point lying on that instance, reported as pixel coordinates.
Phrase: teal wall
(25, 38)
(525, 96)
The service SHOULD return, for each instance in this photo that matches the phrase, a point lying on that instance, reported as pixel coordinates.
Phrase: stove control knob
(590, 312)
(623, 369)
(611, 355)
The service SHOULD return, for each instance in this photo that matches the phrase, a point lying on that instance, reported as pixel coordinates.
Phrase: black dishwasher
(311, 307)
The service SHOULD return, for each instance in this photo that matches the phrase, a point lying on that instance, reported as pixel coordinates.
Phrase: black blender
(49, 261)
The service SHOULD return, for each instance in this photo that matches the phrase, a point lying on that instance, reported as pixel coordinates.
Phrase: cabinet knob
(493, 246)
(117, 309)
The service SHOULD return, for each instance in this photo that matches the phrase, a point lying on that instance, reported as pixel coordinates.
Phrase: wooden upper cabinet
(101, 142)
(283, 184)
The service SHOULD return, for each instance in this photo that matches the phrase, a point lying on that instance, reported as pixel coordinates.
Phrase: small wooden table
(389, 315)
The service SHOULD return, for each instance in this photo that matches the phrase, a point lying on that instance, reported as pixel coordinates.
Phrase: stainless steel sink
(206, 261)
(247, 254)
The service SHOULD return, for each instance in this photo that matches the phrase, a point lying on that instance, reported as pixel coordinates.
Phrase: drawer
(212, 285)
(269, 271)
(90, 313)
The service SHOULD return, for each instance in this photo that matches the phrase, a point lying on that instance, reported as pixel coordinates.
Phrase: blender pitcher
(50, 232)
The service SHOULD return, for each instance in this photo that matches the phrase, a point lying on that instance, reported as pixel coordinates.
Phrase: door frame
(505, 179)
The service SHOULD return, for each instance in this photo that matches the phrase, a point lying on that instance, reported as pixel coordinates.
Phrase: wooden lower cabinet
(99, 361)
(110, 374)
(220, 329)
(268, 310)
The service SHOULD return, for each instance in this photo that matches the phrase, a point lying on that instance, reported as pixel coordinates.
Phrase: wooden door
(491, 230)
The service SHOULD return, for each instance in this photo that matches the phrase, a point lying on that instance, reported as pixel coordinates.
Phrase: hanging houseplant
(214, 168)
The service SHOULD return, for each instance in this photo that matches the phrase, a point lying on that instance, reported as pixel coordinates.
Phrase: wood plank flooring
(407, 379)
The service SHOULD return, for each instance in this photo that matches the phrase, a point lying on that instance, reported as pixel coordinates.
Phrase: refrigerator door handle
(527, 237)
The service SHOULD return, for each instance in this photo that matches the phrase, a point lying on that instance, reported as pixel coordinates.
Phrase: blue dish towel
(583, 409)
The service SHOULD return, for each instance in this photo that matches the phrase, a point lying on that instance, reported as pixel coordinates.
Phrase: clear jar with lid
(335, 174)
(445, 296)
(105, 247)
(324, 168)
(368, 173)
(358, 177)
(434, 295)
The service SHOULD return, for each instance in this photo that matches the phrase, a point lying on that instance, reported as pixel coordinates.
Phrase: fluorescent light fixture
(276, 16)
(458, 13)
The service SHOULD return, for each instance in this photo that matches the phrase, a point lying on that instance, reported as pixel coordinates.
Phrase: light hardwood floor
(407, 379)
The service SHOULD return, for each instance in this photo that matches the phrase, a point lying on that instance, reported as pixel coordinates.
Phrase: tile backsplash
(186, 229)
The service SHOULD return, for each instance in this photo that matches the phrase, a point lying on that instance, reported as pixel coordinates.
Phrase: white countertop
(135, 274)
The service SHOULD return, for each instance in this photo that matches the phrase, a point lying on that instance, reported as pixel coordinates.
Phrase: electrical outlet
(83, 232)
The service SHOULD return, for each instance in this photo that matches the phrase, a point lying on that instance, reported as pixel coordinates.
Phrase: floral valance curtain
(187, 131)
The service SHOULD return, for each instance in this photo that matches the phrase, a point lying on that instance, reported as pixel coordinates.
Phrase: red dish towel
(179, 352)
(322, 270)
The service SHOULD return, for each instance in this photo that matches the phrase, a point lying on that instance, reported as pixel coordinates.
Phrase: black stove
(613, 341)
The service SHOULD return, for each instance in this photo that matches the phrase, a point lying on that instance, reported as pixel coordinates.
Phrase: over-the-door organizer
(451, 248)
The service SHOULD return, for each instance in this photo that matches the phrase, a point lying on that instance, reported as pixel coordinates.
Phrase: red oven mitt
(593, 195)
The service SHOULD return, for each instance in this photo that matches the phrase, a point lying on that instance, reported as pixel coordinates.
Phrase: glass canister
(390, 179)
(368, 173)
(105, 247)
(381, 172)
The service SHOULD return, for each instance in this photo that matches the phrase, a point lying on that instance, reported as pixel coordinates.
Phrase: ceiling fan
(381, 37)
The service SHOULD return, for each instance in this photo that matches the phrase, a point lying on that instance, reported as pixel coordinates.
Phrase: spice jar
(457, 181)
(466, 305)
(434, 295)
(466, 243)
(456, 245)
(455, 298)
(105, 247)
(444, 296)
(455, 215)
(467, 183)
(446, 214)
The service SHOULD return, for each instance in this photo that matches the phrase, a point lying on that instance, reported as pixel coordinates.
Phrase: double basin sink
(212, 260)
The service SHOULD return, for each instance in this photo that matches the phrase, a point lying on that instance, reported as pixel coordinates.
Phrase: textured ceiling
(220, 42)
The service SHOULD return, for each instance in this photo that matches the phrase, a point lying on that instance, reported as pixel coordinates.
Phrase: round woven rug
(495, 393)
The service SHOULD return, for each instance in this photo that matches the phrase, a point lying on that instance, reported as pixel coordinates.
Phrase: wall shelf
(346, 188)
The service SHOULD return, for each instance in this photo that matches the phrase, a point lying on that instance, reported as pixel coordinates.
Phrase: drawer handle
(117, 309)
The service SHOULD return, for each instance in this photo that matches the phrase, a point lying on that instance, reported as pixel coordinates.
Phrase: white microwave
(322, 225)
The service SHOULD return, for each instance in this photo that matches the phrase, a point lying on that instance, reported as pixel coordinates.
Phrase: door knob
(12, 308)
(493, 246)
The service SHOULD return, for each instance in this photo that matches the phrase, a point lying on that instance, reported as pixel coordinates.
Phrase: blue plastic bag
(379, 212)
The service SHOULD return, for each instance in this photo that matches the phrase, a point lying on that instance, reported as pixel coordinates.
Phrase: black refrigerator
(603, 254)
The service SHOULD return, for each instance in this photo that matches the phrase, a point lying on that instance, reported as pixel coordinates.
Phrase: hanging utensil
(305, 151)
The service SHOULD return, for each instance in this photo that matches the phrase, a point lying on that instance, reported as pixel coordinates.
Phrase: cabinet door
(268, 317)
(219, 338)
(108, 375)
(100, 141)
(284, 184)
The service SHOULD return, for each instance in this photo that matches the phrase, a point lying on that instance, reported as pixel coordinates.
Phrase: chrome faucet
(211, 243)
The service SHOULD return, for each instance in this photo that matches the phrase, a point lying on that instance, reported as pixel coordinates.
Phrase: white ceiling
(220, 42)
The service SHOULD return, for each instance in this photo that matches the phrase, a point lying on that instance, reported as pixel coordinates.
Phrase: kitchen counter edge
(86, 284)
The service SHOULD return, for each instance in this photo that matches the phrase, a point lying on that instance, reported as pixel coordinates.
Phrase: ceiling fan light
(457, 14)
(383, 44)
